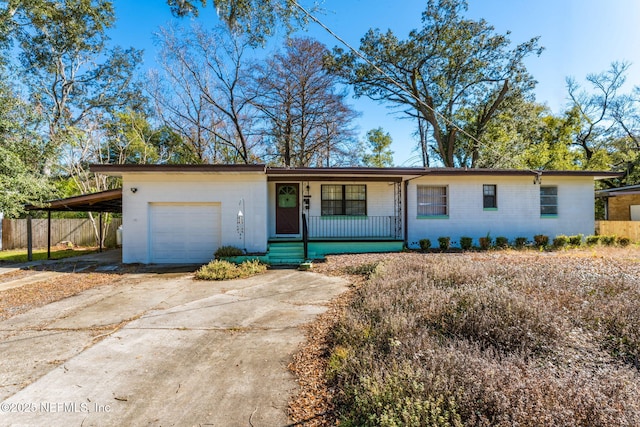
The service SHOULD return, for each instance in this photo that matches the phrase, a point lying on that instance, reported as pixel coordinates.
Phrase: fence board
(630, 229)
(78, 231)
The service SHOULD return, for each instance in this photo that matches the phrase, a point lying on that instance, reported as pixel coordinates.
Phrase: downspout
(406, 214)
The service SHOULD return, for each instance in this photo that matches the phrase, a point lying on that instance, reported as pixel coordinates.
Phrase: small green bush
(227, 251)
(592, 240)
(425, 244)
(608, 240)
(624, 241)
(541, 240)
(366, 270)
(520, 242)
(575, 240)
(502, 242)
(466, 242)
(444, 242)
(225, 270)
(560, 241)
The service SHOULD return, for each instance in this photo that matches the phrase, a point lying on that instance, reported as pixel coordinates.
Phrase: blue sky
(580, 37)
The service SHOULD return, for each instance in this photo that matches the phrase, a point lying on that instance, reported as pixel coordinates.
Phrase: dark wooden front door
(287, 209)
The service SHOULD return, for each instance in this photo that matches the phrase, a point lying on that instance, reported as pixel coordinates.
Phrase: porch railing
(365, 227)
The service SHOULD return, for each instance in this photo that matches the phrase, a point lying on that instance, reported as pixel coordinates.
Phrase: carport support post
(29, 240)
(100, 234)
(48, 234)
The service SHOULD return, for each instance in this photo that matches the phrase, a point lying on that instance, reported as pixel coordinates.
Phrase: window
(489, 197)
(548, 201)
(348, 200)
(432, 200)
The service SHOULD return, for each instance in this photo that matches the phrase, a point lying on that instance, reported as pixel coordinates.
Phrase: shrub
(592, 240)
(466, 243)
(502, 242)
(485, 242)
(365, 270)
(575, 240)
(624, 241)
(541, 240)
(227, 251)
(608, 240)
(425, 244)
(225, 270)
(520, 242)
(444, 242)
(560, 241)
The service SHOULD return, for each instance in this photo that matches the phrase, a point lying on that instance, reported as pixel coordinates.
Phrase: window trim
(494, 197)
(344, 201)
(423, 215)
(556, 204)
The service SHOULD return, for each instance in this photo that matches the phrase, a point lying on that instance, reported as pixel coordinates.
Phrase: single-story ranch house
(183, 213)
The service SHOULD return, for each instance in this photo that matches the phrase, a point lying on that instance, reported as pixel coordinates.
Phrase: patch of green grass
(20, 255)
(225, 270)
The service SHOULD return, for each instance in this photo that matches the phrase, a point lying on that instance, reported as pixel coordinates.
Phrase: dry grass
(497, 338)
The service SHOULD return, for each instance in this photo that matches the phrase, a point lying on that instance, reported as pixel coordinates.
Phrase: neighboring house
(621, 204)
(179, 213)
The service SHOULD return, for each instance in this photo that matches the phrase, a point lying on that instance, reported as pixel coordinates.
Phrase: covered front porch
(314, 214)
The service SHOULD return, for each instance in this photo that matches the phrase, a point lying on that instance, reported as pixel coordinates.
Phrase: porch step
(286, 252)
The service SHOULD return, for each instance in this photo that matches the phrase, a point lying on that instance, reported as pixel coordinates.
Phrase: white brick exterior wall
(518, 212)
(224, 188)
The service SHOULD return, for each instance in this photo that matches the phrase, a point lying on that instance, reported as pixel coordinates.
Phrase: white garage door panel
(184, 233)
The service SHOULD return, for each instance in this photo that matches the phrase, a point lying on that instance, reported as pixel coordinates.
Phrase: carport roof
(103, 201)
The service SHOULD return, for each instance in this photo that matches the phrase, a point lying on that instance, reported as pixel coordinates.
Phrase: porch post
(48, 234)
(100, 234)
(29, 239)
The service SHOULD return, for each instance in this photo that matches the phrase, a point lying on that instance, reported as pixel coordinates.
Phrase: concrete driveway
(161, 350)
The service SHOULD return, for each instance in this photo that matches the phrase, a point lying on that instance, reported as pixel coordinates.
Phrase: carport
(109, 201)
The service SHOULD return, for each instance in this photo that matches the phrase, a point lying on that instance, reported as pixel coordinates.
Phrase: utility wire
(384, 73)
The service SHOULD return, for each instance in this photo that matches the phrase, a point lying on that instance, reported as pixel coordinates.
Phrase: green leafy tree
(67, 69)
(442, 72)
(379, 144)
(258, 19)
(20, 156)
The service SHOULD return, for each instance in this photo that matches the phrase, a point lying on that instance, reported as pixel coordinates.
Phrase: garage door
(184, 233)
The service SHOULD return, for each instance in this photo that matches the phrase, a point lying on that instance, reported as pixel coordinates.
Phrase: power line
(381, 71)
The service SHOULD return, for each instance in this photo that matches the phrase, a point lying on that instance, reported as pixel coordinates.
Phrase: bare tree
(307, 121)
(201, 93)
(598, 111)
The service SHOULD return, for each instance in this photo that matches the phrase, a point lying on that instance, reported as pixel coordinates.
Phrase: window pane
(356, 208)
(344, 200)
(331, 207)
(432, 200)
(548, 200)
(332, 192)
(355, 192)
(489, 196)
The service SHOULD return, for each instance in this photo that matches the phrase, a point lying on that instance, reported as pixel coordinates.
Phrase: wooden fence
(78, 231)
(630, 229)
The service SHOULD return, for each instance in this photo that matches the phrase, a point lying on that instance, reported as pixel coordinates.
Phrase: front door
(287, 209)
